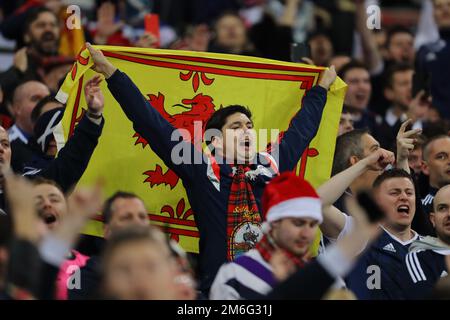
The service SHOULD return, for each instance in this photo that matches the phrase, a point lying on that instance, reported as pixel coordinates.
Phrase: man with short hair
(395, 194)
(425, 262)
(231, 35)
(25, 98)
(225, 189)
(123, 209)
(351, 147)
(51, 206)
(436, 165)
(397, 90)
(346, 121)
(120, 211)
(358, 94)
(400, 45)
(292, 211)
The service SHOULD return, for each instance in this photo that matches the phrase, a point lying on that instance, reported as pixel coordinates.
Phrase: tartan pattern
(242, 207)
(266, 248)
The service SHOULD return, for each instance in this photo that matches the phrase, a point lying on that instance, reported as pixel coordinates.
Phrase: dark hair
(420, 142)
(346, 109)
(436, 128)
(426, 146)
(33, 14)
(40, 180)
(393, 31)
(348, 145)
(37, 110)
(219, 117)
(392, 70)
(318, 33)
(353, 64)
(107, 207)
(390, 174)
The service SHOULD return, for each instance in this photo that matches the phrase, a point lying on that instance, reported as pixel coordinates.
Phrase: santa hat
(289, 196)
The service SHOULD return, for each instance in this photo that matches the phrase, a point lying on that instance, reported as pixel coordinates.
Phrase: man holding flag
(225, 188)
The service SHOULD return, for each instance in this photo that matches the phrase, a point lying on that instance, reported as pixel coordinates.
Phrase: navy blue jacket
(422, 271)
(208, 185)
(72, 160)
(378, 272)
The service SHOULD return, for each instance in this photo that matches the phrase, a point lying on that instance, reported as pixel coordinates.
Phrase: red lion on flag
(201, 108)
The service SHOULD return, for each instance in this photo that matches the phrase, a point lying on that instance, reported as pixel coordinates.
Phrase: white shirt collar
(391, 118)
(15, 133)
(404, 243)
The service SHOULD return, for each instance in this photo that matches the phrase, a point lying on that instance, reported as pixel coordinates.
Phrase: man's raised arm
(333, 219)
(147, 121)
(304, 125)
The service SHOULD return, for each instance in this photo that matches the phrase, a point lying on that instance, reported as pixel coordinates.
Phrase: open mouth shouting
(49, 217)
(403, 210)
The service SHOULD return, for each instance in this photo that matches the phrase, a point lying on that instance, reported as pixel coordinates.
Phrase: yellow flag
(175, 82)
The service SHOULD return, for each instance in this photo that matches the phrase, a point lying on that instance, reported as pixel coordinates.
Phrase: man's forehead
(401, 36)
(127, 203)
(238, 117)
(443, 195)
(47, 189)
(356, 73)
(369, 141)
(397, 183)
(31, 88)
(3, 134)
(45, 16)
(440, 145)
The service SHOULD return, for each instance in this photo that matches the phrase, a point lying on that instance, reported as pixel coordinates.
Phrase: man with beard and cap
(293, 213)
(41, 36)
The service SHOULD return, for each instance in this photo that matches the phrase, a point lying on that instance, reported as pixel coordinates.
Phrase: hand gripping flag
(186, 87)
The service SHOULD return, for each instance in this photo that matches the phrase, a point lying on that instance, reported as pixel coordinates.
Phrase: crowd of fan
(393, 138)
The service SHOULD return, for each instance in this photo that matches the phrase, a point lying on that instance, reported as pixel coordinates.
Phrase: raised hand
(94, 96)
(328, 77)
(282, 266)
(21, 59)
(405, 144)
(101, 64)
(19, 193)
(379, 159)
(83, 204)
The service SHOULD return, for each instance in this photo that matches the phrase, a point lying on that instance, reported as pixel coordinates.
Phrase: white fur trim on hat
(307, 207)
